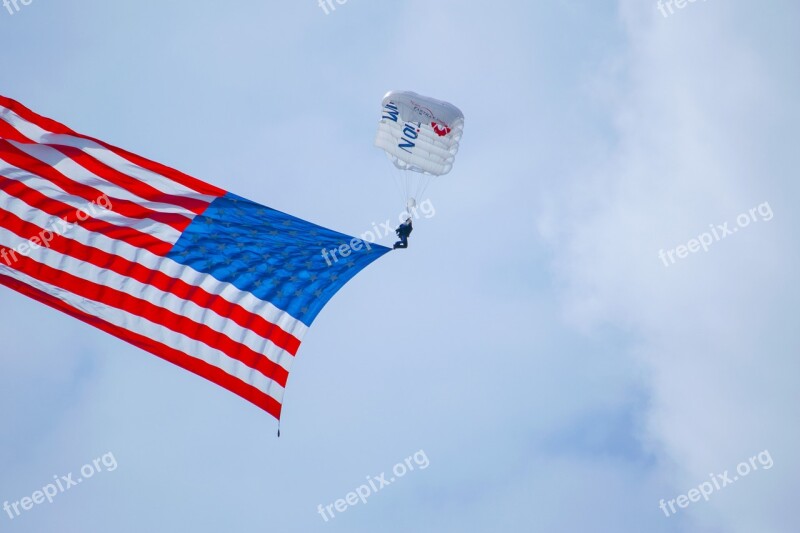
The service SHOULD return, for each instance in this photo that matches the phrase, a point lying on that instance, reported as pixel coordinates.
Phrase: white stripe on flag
(102, 154)
(170, 302)
(142, 326)
(155, 229)
(173, 269)
(72, 170)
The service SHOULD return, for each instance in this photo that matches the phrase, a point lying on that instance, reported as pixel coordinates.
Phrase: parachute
(420, 135)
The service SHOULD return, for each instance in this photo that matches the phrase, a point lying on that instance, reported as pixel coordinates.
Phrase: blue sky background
(557, 375)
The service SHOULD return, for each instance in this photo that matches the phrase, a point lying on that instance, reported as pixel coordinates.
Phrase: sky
(596, 331)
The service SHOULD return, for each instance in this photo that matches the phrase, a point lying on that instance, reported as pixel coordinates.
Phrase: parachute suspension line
(409, 189)
(398, 177)
(417, 186)
(425, 182)
(401, 177)
(402, 184)
(414, 186)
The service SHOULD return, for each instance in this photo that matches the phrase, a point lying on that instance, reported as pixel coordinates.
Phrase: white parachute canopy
(421, 135)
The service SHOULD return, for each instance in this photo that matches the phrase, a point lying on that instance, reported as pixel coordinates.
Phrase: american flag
(210, 281)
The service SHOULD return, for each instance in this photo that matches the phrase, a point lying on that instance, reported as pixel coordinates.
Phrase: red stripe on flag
(39, 201)
(144, 309)
(176, 357)
(136, 186)
(56, 127)
(159, 280)
(16, 157)
(7, 131)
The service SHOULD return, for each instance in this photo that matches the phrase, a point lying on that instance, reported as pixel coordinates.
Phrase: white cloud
(703, 99)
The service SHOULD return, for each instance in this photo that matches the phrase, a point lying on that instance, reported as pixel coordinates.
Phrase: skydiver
(403, 231)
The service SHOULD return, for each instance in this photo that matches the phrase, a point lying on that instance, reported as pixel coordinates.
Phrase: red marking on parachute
(440, 129)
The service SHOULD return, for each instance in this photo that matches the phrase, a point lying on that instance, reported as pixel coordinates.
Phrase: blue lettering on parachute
(410, 129)
(410, 133)
(391, 110)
